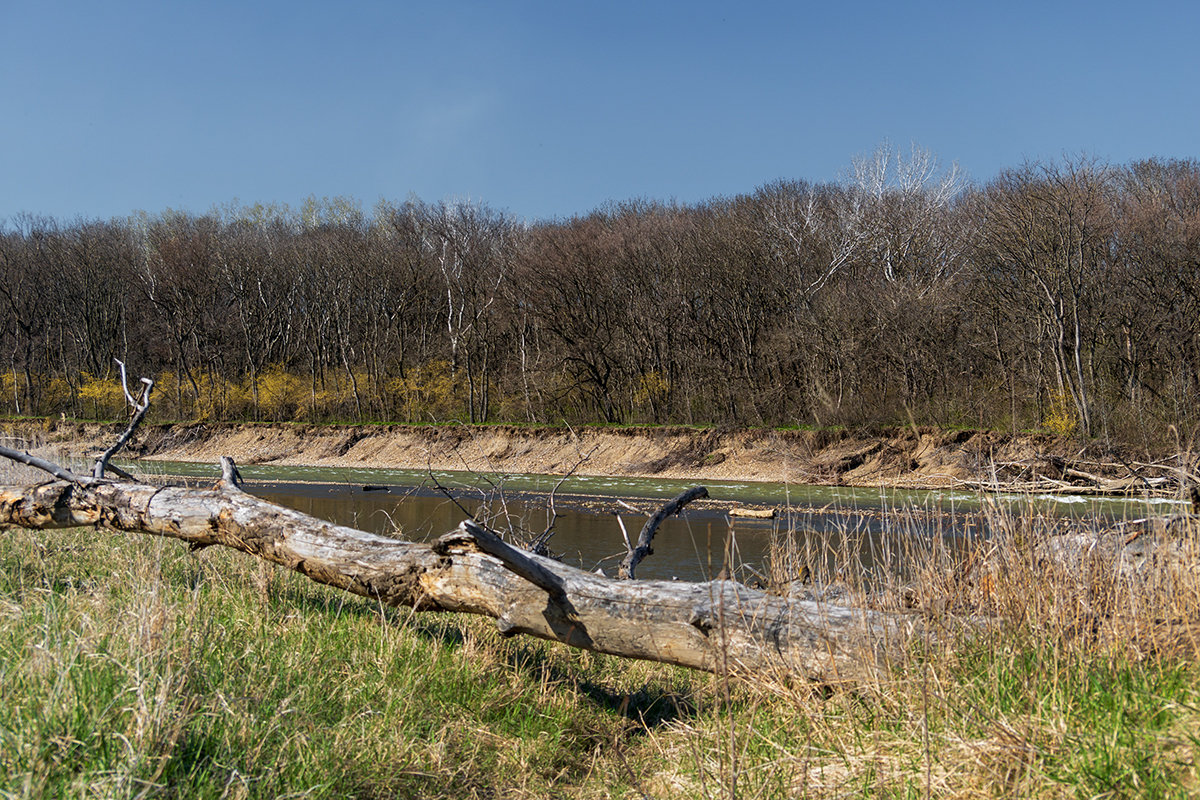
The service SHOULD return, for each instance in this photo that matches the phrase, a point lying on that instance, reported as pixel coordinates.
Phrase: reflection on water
(688, 547)
(828, 522)
(691, 547)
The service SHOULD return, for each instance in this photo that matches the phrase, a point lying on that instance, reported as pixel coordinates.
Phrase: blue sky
(548, 109)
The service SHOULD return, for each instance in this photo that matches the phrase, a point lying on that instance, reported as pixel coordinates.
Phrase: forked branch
(140, 406)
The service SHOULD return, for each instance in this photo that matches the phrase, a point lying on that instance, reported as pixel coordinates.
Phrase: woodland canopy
(1059, 295)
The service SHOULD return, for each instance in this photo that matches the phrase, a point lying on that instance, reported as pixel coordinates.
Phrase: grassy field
(130, 667)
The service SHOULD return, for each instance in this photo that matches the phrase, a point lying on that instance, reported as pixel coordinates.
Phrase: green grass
(130, 667)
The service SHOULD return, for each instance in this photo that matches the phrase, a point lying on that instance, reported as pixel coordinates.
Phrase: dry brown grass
(1056, 661)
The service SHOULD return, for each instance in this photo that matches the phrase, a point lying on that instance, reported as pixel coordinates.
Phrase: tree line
(1061, 295)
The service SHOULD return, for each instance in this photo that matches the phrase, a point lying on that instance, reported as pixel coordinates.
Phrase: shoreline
(903, 458)
(911, 458)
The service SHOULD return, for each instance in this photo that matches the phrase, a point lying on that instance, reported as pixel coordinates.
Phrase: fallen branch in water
(635, 555)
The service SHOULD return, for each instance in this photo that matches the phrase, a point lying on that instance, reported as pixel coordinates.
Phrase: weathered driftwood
(1123, 487)
(753, 513)
(1050, 474)
(716, 626)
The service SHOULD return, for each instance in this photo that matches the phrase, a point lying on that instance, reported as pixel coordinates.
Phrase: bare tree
(470, 245)
(1044, 248)
(901, 212)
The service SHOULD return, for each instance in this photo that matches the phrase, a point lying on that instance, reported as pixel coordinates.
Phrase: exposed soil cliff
(921, 457)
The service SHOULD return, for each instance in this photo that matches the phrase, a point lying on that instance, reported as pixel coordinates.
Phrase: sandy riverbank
(914, 458)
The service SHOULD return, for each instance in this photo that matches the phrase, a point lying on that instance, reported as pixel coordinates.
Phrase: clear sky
(548, 109)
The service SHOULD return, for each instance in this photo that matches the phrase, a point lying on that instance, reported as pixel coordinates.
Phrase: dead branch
(471, 532)
(449, 496)
(140, 407)
(30, 460)
(643, 549)
(538, 545)
(230, 476)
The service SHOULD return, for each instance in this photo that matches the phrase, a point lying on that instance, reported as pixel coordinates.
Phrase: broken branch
(140, 407)
(30, 460)
(643, 549)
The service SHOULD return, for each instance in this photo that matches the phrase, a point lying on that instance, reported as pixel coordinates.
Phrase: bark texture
(716, 626)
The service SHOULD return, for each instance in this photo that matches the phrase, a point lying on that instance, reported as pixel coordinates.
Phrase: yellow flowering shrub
(1061, 417)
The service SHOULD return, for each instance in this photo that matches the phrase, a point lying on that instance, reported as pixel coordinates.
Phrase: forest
(1059, 295)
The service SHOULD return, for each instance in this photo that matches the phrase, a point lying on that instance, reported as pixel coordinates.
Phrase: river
(829, 521)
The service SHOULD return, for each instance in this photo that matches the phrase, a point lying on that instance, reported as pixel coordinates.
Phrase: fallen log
(753, 513)
(716, 626)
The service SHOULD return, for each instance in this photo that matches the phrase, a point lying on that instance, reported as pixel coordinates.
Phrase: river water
(828, 521)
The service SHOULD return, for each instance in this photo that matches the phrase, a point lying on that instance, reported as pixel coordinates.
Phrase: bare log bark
(716, 626)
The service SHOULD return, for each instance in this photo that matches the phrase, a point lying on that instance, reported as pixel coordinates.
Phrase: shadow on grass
(650, 706)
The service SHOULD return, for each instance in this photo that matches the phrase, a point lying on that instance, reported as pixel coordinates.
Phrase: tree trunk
(717, 626)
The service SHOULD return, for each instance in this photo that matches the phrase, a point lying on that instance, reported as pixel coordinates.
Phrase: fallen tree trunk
(717, 626)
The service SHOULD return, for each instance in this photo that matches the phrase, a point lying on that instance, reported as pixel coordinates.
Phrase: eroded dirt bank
(921, 457)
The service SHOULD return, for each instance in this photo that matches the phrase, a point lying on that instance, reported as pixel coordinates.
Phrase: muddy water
(693, 546)
(687, 548)
(829, 521)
